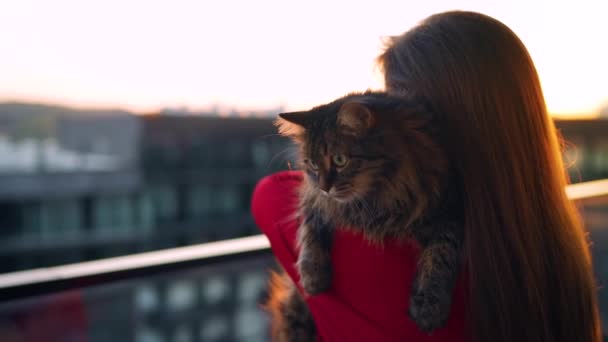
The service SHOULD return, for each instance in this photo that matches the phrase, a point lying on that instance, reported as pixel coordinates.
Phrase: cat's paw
(315, 275)
(429, 309)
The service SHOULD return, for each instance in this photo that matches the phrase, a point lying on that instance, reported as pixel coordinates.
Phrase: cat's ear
(292, 124)
(298, 118)
(355, 118)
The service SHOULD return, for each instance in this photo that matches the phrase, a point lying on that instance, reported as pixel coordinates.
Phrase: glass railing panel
(209, 292)
(216, 302)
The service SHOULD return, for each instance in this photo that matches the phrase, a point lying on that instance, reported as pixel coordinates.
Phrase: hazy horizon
(143, 56)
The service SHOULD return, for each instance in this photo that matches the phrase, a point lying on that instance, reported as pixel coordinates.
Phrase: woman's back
(530, 275)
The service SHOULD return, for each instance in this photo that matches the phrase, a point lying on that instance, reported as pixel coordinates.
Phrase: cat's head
(370, 146)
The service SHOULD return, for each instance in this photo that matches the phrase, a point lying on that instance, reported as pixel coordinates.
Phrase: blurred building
(586, 148)
(113, 185)
(110, 185)
(107, 185)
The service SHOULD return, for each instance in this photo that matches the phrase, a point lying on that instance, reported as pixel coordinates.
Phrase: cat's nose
(324, 185)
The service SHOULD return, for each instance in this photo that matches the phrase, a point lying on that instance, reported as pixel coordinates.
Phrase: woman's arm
(273, 206)
(369, 295)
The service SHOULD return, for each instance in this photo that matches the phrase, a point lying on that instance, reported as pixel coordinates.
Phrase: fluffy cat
(373, 163)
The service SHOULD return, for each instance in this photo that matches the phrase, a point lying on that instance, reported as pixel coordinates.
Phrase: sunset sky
(144, 55)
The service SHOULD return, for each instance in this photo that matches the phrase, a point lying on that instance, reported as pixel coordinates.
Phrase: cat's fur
(395, 184)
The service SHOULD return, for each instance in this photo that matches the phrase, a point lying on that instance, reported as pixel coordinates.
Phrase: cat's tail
(278, 292)
(290, 319)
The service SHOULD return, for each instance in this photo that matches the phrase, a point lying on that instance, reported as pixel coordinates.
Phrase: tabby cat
(373, 163)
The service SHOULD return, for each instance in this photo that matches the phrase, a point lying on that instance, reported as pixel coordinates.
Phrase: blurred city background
(128, 127)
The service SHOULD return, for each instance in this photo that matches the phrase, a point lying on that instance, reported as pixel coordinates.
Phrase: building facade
(117, 185)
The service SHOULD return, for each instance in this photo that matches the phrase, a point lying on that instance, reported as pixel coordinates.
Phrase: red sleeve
(369, 296)
(273, 206)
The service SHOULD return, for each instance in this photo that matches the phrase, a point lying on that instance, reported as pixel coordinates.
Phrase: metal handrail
(588, 190)
(72, 276)
(60, 278)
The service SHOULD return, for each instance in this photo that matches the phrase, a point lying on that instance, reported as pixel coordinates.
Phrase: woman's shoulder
(275, 198)
(278, 183)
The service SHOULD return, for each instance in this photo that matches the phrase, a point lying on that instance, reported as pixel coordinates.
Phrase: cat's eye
(340, 160)
(312, 164)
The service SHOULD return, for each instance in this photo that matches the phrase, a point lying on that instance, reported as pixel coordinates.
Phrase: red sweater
(369, 295)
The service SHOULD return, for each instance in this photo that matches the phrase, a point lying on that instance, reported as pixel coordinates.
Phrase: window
(600, 159)
(164, 199)
(198, 201)
(113, 213)
(60, 217)
(260, 154)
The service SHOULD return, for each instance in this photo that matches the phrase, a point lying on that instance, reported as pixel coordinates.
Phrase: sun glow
(145, 55)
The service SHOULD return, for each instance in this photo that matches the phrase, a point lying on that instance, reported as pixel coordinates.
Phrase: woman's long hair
(528, 260)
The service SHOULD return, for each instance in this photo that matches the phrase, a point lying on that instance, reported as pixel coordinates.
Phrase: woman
(527, 272)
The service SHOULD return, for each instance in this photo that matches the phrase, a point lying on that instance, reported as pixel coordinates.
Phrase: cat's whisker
(285, 151)
(364, 206)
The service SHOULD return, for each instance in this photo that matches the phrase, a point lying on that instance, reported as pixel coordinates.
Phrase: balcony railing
(206, 292)
(62, 278)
